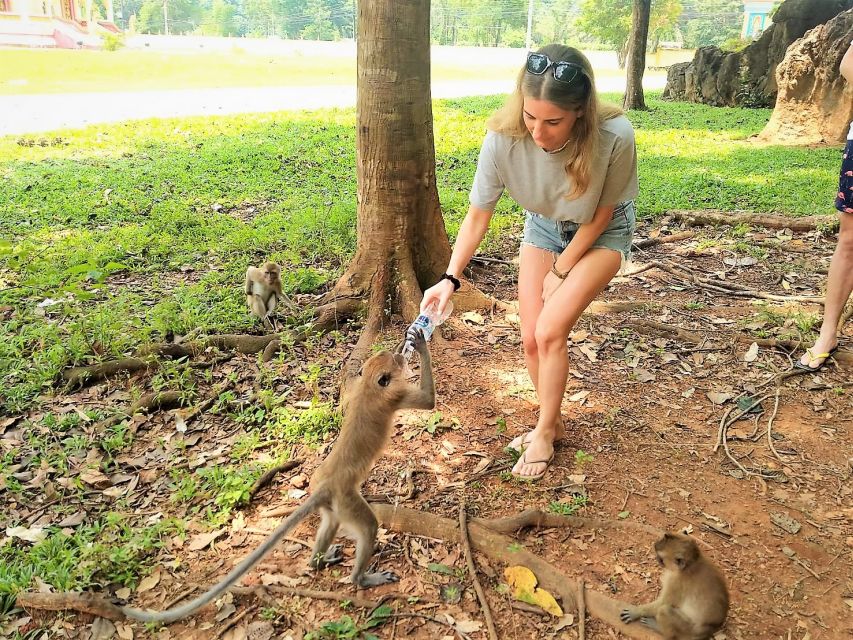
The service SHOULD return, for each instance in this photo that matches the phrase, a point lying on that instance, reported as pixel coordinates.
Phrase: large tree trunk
(402, 243)
(814, 103)
(634, 98)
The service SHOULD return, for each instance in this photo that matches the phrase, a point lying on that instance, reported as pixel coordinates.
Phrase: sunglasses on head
(539, 63)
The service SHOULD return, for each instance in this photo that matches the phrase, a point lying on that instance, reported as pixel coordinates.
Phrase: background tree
(634, 98)
(710, 22)
(220, 19)
(320, 25)
(609, 21)
(402, 244)
(554, 21)
(184, 16)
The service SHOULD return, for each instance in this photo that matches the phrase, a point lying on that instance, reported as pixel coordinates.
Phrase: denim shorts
(554, 236)
(844, 197)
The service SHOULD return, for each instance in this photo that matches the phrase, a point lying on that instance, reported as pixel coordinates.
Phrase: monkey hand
(628, 616)
(415, 337)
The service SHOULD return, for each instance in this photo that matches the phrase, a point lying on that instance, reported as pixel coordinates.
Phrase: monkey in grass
(693, 602)
(373, 399)
(263, 291)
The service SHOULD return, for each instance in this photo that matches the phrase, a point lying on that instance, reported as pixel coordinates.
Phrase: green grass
(177, 208)
(63, 71)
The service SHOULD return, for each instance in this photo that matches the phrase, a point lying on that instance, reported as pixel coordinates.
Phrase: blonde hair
(579, 94)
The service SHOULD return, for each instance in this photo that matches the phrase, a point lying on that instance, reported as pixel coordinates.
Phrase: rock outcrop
(815, 103)
(747, 78)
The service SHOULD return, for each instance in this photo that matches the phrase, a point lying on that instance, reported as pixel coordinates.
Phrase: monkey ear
(668, 536)
(384, 380)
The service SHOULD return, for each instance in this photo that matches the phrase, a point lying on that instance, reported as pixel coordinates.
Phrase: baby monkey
(373, 398)
(693, 602)
(263, 291)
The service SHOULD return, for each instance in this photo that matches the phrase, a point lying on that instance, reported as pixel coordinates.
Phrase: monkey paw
(334, 555)
(377, 578)
(627, 616)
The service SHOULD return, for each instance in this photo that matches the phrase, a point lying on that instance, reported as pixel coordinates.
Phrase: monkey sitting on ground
(693, 602)
(373, 399)
(263, 291)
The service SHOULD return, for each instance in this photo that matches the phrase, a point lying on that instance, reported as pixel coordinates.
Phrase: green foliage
(479, 22)
(582, 458)
(178, 208)
(562, 508)
(609, 21)
(710, 22)
(345, 628)
(113, 41)
(109, 551)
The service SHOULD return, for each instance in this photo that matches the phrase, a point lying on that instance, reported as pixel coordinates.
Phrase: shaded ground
(644, 408)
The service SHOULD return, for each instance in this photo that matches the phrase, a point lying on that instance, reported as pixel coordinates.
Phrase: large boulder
(815, 103)
(747, 78)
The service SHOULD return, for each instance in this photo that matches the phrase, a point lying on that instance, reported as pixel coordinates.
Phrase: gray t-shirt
(537, 180)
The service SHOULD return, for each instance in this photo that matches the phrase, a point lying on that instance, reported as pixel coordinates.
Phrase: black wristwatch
(453, 279)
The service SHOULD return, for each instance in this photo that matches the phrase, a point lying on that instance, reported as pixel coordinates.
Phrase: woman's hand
(550, 285)
(439, 293)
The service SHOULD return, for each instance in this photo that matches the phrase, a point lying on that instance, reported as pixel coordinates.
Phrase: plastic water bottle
(426, 322)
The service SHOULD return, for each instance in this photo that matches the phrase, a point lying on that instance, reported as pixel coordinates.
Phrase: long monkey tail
(316, 500)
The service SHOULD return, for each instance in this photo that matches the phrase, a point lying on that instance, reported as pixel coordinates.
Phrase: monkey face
(676, 551)
(272, 272)
(382, 370)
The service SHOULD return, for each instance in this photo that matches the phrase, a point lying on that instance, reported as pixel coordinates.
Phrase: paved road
(48, 112)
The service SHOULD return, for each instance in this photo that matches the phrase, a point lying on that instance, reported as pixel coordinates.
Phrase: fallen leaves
(201, 540)
(29, 534)
(523, 582)
(149, 582)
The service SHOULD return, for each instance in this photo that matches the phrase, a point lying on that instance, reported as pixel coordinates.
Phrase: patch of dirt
(644, 407)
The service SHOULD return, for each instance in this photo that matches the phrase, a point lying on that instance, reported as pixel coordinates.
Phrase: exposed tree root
(711, 217)
(464, 537)
(504, 549)
(147, 356)
(81, 376)
(68, 601)
(150, 402)
(842, 356)
(539, 519)
(675, 237)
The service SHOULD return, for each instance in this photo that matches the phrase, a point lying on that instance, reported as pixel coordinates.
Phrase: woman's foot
(520, 443)
(815, 357)
(535, 459)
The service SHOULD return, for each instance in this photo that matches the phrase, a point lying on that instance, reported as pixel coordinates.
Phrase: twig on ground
(265, 592)
(581, 609)
(233, 621)
(770, 428)
(444, 623)
(472, 569)
(729, 218)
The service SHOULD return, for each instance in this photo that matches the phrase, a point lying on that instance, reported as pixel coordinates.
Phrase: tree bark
(402, 243)
(634, 98)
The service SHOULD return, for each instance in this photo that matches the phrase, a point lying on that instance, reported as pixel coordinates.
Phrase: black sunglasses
(538, 63)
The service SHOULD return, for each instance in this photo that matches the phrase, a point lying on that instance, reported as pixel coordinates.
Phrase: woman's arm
(846, 67)
(470, 235)
(584, 237)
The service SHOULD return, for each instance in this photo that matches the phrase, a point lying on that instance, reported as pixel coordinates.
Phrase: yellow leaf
(542, 598)
(523, 582)
(520, 578)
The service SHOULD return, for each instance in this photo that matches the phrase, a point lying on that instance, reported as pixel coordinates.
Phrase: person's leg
(839, 284)
(554, 322)
(535, 264)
